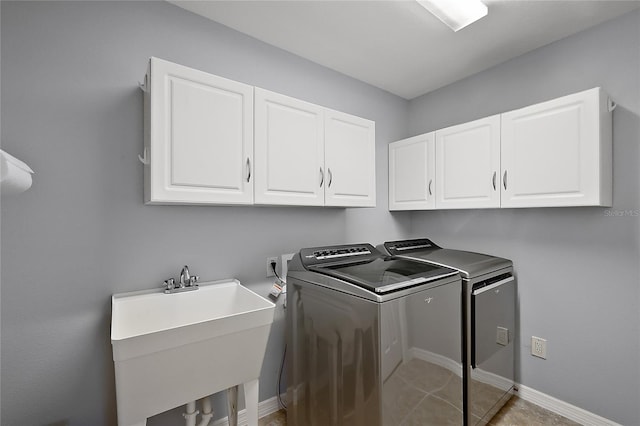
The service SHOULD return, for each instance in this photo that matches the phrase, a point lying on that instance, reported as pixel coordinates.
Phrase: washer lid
(368, 268)
(469, 264)
(385, 274)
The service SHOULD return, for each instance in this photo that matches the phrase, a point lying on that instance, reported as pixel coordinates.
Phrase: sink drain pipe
(207, 411)
(191, 414)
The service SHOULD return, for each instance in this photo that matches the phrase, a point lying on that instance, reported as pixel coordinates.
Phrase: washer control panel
(408, 246)
(331, 254)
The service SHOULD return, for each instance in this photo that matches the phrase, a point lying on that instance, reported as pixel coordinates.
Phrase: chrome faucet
(185, 277)
(187, 282)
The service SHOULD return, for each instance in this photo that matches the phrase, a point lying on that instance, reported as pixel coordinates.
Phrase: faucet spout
(187, 282)
(185, 277)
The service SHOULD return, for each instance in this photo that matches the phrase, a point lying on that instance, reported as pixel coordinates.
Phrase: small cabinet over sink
(553, 154)
(199, 136)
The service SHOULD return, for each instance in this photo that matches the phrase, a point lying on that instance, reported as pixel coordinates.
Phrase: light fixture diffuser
(457, 14)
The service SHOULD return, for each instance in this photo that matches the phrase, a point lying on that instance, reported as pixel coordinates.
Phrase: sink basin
(169, 349)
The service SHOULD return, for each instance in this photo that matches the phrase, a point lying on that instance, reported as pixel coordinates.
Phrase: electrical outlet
(269, 268)
(539, 347)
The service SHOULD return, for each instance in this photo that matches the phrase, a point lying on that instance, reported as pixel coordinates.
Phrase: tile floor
(517, 412)
(420, 393)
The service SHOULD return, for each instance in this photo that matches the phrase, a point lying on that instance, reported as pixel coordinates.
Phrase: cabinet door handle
(330, 177)
(504, 180)
(248, 169)
(321, 177)
(430, 182)
(494, 180)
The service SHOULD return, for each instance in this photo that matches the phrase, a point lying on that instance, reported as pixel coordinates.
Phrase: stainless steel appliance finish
(488, 288)
(374, 340)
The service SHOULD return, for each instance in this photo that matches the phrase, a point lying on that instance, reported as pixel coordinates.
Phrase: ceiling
(397, 45)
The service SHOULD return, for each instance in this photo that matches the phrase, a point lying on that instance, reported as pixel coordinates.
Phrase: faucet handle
(170, 283)
(194, 279)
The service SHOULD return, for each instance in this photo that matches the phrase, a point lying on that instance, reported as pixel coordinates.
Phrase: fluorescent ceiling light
(457, 14)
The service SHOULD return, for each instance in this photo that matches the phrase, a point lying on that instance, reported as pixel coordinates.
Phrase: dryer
(488, 308)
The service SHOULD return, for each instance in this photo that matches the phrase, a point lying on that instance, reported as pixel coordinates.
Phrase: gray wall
(577, 268)
(72, 110)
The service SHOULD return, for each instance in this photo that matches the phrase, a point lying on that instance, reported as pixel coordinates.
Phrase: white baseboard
(565, 409)
(265, 408)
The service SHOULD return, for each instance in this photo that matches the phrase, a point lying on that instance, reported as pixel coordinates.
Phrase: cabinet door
(199, 131)
(350, 160)
(289, 150)
(558, 153)
(468, 165)
(412, 165)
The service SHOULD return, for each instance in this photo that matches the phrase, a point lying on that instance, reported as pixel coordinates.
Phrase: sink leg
(232, 405)
(251, 402)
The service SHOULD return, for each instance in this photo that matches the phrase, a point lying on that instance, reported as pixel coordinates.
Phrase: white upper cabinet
(412, 164)
(199, 134)
(553, 154)
(310, 155)
(289, 150)
(558, 153)
(468, 165)
(349, 160)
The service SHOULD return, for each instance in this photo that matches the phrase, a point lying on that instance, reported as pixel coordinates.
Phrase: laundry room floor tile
(279, 418)
(517, 412)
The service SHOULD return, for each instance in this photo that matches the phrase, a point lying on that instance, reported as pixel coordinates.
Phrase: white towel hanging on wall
(15, 175)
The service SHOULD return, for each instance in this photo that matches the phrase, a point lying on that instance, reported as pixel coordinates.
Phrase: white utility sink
(170, 349)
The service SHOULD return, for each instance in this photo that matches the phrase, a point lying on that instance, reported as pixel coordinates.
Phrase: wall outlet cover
(269, 269)
(539, 347)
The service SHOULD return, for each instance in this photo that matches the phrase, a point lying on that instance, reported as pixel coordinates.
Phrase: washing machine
(372, 339)
(488, 307)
